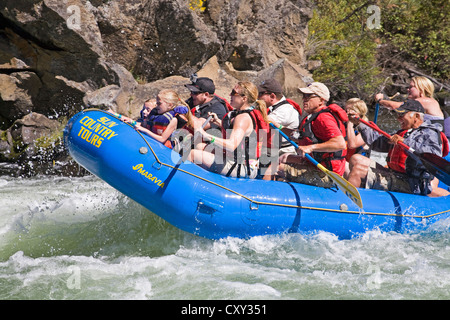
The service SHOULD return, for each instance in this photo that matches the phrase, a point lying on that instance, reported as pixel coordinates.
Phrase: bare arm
(332, 145)
(387, 103)
(164, 136)
(353, 141)
(241, 127)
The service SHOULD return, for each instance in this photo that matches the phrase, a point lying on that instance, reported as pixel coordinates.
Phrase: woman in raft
(236, 153)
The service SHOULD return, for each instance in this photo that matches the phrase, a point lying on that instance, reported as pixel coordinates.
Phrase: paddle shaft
(206, 122)
(437, 166)
(294, 144)
(387, 135)
(345, 186)
(377, 109)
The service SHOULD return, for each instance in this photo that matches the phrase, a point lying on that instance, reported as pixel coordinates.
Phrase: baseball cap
(202, 84)
(271, 86)
(318, 88)
(410, 105)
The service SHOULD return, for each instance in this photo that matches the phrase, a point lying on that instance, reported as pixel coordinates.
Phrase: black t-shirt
(215, 105)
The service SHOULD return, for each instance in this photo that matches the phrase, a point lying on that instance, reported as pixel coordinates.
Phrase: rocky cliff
(58, 57)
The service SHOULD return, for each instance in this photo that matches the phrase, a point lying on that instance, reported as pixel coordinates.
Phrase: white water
(77, 238)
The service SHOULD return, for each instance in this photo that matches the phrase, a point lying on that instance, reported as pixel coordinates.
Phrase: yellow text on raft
(140, 169)
(96, 131)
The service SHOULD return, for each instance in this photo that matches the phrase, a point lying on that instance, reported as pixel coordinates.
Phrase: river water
(78, 238)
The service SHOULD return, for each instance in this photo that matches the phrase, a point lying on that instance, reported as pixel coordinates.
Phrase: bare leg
(201, 146)
(436, 191)
(347, 170)
(270, 172)
(359, 167)
(202, 158)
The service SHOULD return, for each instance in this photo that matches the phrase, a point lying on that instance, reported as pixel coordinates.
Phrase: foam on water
(78, 238)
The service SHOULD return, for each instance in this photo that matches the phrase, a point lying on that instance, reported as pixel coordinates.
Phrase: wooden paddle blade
(437, 166)
(343, 185)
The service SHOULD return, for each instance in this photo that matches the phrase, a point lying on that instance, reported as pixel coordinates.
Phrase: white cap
(318, 88)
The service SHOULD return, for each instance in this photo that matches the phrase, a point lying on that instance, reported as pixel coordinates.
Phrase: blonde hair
(251, 92)
(359, 106)
(171, 97)
(424, 85)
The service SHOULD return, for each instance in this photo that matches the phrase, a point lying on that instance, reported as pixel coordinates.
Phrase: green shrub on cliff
(339, 37)
(346, 36)
(420, 31)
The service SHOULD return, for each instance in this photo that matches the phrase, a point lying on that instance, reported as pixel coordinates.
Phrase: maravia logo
(140, 169)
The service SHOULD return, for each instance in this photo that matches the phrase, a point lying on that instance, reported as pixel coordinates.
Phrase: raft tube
(214, 206)
(441, 184)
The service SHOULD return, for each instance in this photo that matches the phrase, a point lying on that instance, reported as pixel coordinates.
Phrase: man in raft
(322, 135)
(404, 173)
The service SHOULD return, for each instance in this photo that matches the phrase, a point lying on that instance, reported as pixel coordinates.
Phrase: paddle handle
(294, 144)
(206, 122)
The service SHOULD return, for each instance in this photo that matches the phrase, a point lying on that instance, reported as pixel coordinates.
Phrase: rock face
(58, 56)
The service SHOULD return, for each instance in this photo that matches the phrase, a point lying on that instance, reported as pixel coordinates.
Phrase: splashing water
(77, 238)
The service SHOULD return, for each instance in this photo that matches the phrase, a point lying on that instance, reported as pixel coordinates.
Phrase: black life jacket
(260, 129)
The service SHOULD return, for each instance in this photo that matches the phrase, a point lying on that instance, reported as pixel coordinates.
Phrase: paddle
(206, 122)
(345, 186)
(377, 108)
(437, 166)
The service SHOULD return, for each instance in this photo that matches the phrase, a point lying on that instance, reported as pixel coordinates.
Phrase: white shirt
(287, 116)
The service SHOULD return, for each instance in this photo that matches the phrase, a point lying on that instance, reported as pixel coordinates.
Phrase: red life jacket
(334, 161)
(397, 156)
(263, 132)
(445, 145)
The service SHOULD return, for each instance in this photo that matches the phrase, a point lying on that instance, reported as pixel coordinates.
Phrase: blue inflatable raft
(213, 206)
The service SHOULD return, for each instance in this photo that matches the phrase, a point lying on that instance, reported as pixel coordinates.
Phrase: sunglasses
(196, 93)
(235, 93)
(310, 96)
